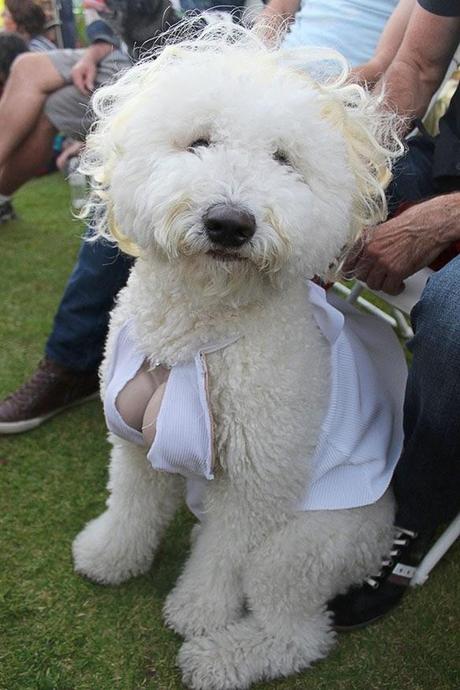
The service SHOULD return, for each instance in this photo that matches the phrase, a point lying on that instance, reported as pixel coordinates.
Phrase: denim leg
(80, 325)
(67, 19)
(427, 477)
(412, 174)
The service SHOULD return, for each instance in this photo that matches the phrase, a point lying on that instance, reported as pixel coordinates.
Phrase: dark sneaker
(51, 389)
(7, 212)
(377, 595)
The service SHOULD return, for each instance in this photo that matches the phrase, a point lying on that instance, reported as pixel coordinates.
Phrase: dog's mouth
(222, 255)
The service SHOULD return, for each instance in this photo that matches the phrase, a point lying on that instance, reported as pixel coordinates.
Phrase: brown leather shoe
(51, 389)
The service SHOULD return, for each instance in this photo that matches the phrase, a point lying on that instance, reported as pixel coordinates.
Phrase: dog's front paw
(206, 666)
(190, 613)
(250, 650)
(107, 552)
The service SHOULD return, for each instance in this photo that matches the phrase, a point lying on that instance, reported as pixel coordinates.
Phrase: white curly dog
(235, 177)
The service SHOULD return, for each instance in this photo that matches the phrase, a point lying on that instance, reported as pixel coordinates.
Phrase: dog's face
(231, 166)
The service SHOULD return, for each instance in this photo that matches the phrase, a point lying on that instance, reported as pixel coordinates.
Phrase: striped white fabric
(183, 440)
(41, 44)
(125, 363)
(361, 434)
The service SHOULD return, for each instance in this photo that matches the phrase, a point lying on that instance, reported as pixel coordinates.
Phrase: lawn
(60, 632)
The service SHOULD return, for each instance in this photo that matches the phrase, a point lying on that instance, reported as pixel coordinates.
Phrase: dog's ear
(370, 133)
(126, 245)
(369, 130)
(113, 106)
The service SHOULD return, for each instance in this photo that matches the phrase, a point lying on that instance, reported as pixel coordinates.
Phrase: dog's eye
(198, 143)
(281, 157)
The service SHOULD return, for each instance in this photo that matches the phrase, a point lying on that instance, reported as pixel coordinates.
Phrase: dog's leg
(121, 542)
(209, 594)
(287, 582)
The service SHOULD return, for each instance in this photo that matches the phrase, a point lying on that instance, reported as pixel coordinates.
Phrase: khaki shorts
(68, 108)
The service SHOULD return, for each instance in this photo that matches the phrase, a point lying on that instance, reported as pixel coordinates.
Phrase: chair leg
(353, 297)
(437, 551)
(404, 328)
(355, 292)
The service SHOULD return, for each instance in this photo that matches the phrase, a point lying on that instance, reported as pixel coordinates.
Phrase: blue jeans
(67, 24)
(81, 322)
(427, 477)
(412, 176)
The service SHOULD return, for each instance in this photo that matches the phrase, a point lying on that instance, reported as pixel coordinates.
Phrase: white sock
(4, 198)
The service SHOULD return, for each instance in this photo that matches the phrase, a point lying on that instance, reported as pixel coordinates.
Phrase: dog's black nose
(229, 226)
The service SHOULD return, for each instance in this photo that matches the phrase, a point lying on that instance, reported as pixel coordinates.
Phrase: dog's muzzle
(229, 226)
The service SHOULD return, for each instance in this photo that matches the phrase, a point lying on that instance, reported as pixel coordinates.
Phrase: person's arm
(85, 70)
(275, 14)
(417, 71)
(388, 45)
(103, 41)
(403, 245)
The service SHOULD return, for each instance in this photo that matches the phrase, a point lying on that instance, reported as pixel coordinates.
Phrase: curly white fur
(308, 159)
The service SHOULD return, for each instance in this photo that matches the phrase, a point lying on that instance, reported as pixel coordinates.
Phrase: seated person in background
(352, 27)
(45, 94)
(11, 45)
(60, 14)
(50, 93)
(27, 18)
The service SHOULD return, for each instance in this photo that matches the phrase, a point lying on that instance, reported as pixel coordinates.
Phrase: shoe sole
(5, 219)
(29, 424)
(358, 626)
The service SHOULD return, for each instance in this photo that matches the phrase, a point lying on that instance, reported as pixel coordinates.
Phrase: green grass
(60, 632)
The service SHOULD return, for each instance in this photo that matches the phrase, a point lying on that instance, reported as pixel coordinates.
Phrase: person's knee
(26, 64)
(37, 71)
(437, 313)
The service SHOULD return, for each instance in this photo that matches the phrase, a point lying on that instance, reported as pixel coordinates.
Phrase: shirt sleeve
(99, 30)
(444, 8)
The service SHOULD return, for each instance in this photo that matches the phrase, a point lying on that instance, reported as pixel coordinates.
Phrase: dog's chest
(268, 391)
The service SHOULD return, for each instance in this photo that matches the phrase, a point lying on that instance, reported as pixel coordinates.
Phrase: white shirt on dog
(361, 434)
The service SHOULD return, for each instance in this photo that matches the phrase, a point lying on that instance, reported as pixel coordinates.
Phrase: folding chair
(400, 307)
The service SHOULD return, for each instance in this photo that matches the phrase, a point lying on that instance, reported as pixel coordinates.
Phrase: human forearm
(406, 243)
(448, 207)
(98, 51)
(421, 62)
(388, 45)
(408, 90)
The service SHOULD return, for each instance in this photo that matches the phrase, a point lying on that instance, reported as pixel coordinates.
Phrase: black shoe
(379, 594)
(7, 212)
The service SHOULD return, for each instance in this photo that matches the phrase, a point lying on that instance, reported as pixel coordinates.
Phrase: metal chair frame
(399, 319)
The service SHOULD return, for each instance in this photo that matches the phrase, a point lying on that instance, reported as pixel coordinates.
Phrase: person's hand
(70, 151)
(85, 70)
(398, 248)
(84, 74)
